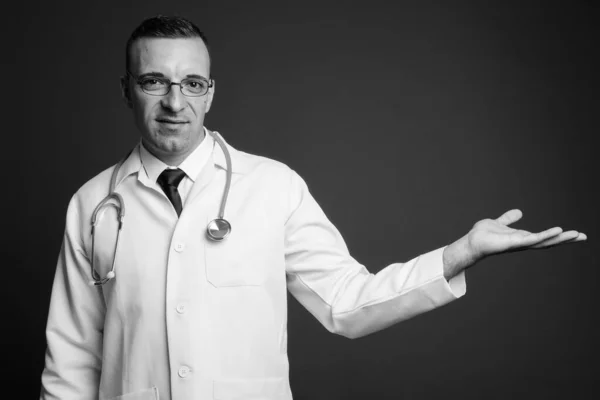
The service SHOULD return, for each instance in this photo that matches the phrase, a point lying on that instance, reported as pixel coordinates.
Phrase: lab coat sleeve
(340, 292)
(75, 322)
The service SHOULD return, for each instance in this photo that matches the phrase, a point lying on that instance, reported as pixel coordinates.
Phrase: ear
(125, 92)
(210, 95)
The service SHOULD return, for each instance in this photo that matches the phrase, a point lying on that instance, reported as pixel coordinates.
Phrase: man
(175, 314)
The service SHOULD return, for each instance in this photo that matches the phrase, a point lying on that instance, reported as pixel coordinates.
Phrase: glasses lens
(154, 86)
(194, 87)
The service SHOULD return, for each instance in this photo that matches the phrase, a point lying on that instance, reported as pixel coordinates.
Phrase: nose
(174, 100)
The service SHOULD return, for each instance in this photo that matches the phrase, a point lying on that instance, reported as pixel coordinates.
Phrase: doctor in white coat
(185, 317)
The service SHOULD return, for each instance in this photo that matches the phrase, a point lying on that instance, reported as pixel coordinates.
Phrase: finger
(563, 238)
(558, 239)
(510, 217)
(532, 239)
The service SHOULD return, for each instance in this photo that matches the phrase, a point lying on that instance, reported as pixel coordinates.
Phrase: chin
(174, 144)
(160, 143)
(171, 140)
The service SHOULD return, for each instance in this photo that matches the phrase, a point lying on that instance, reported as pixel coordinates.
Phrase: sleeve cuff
(454, 288)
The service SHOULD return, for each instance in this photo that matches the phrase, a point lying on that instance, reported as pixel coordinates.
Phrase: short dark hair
(162, 26)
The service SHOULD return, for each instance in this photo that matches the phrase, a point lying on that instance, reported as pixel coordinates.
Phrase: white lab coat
(187, 318)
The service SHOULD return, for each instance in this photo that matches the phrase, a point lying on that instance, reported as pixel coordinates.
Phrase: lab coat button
(184, 372)
(179, 247)
(180, 308)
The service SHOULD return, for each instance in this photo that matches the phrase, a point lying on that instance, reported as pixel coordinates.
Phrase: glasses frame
(137, 80)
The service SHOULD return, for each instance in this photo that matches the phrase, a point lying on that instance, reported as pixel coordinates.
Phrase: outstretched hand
(494, 236)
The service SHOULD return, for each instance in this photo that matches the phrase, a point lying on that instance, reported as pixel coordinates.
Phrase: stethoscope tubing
(217, 229)
(221, 143)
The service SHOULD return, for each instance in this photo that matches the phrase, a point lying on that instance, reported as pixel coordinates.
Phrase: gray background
(410, 122)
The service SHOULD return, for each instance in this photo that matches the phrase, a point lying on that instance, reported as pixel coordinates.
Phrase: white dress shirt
(192, 165)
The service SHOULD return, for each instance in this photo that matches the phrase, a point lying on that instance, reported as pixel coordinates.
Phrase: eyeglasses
(157, 86)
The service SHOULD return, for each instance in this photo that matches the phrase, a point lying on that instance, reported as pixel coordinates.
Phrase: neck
(172, 159)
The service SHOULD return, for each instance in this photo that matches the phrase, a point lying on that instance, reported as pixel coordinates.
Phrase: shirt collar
(133, 161)
(192, 165)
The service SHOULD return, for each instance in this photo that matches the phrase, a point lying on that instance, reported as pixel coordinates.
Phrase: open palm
(494, 236)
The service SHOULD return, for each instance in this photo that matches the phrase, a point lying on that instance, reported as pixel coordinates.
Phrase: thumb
(510, 217)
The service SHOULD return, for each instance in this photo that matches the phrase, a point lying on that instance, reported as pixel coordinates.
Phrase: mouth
(170, 121)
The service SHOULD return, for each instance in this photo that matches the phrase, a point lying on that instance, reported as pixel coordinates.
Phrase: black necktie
(169, 180)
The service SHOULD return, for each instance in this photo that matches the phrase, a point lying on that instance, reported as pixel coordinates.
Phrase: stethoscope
(217, 229)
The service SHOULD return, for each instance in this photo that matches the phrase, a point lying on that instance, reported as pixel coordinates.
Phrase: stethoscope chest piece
(218, 229)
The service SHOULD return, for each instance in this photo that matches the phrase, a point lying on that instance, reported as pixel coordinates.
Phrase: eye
(195, 85)
(152, 84)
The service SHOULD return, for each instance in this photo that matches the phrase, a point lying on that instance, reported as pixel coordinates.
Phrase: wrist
(457, 257)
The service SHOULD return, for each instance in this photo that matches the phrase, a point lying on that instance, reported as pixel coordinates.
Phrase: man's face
(171, 125)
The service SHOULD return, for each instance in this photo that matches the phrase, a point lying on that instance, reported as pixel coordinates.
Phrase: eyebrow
(161, 75)
(152, 73)
(196, 76)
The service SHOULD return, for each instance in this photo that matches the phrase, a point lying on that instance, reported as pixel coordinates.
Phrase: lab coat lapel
(205, 176)
(216, 161)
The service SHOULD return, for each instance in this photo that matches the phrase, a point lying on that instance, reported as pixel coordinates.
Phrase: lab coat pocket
(148, 394)
(237, 261)
(250, 389)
